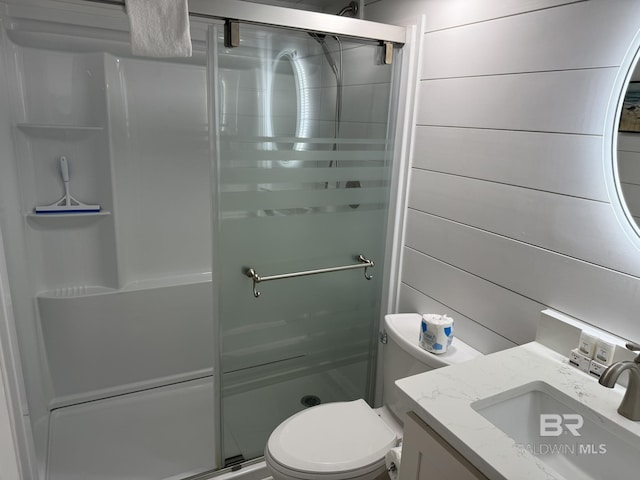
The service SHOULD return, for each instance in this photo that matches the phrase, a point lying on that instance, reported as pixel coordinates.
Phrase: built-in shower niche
(64, 115)
(72, 249)
(138, 153)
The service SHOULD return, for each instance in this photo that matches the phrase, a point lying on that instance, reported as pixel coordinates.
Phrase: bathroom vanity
(421, 444)
(524, 413)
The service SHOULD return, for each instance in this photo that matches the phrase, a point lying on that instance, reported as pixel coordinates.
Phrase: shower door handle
(364, 263)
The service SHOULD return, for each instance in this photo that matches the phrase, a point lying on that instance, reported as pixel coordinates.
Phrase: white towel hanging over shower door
(159, 28)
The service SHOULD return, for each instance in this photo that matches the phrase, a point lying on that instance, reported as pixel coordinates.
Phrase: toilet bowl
(349, 440)
(333, 441)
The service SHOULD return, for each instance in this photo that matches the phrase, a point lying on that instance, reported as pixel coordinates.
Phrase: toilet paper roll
(436, 333)
(392, 460)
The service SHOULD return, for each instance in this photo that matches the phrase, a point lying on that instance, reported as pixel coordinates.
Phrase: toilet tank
(403, 357)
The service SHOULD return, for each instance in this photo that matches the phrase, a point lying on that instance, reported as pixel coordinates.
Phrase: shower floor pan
(167, 432)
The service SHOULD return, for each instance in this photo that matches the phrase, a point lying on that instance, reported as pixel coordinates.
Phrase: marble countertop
(443, 399)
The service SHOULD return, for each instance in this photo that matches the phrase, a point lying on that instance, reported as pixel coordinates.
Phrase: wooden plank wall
(509, 210)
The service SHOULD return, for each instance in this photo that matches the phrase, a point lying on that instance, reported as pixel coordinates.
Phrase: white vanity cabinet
(426, 455)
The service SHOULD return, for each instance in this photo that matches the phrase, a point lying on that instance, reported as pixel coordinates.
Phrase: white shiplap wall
(509, 207)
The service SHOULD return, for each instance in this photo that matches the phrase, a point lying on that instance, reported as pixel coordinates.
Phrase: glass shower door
(303, 174)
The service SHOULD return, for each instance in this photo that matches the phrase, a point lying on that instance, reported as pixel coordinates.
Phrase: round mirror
(627, 158)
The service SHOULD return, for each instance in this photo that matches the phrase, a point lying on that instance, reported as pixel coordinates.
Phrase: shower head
(318, 37)
(325, 49)
(350, 10)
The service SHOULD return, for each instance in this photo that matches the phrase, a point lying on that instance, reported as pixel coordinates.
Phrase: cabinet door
(426, 455)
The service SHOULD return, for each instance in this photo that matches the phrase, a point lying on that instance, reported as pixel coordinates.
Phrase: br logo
(554, 425)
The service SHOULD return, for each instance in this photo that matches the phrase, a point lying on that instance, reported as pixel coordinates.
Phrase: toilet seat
(331, 442)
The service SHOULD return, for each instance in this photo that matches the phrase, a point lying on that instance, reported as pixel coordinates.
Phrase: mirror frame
(610, 141)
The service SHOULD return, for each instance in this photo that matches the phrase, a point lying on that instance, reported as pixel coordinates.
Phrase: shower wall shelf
(69, 132)
(364, 263)
(57, 216)
(75, 292)
(186, 281)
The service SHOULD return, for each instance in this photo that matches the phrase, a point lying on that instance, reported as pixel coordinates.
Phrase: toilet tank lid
(404, 329)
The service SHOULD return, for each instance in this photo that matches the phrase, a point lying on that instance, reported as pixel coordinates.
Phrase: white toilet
(349, 440)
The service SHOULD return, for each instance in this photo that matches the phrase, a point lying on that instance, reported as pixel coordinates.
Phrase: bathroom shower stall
(231, 272)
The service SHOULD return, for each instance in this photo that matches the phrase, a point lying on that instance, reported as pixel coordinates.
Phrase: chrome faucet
(630, 405)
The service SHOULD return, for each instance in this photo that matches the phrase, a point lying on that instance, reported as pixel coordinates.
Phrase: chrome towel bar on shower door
(364, 263)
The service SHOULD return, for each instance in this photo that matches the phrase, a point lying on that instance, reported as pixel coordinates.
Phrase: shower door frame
(396, 167)
(299, 20)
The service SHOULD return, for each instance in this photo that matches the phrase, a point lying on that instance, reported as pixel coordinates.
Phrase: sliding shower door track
(267, 15)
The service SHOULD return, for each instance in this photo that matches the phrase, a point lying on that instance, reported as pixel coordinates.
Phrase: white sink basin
(563, 434)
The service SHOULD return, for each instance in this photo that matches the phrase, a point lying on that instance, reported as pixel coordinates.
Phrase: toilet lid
(332, 437)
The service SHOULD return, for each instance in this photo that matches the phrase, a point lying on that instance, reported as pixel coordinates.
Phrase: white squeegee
(67, 204)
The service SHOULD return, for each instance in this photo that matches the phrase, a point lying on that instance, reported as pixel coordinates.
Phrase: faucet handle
(634, 347)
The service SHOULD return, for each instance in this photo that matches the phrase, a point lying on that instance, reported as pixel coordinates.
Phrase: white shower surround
(136, 269)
